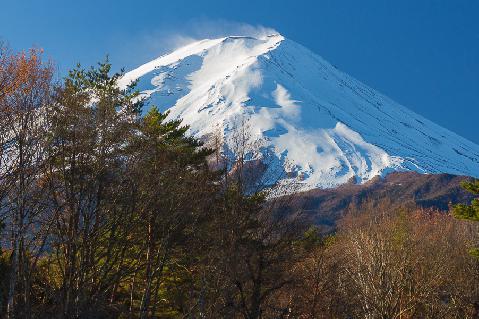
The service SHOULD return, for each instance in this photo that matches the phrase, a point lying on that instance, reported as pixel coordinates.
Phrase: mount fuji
(315, 125)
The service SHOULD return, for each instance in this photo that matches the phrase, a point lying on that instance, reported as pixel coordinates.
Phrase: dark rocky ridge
(324, 207)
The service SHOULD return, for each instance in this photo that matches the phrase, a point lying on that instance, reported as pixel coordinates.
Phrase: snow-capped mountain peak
(316, 125)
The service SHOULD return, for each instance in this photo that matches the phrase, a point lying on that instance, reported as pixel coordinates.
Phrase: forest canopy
(110, 210)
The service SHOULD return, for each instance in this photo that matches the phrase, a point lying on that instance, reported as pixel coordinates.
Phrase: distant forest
(110, 212)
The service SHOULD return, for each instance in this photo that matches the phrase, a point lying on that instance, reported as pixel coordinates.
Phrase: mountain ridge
(397, 190)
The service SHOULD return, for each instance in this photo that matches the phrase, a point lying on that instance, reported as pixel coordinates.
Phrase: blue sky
(423, 54)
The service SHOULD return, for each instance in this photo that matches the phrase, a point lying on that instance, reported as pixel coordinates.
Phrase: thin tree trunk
(13, 280)
(149, 276)
(132, 289)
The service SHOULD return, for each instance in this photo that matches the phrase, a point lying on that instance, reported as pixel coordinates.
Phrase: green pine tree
(469, 212)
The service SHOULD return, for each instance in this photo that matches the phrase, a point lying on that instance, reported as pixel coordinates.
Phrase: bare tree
(25, 82)
(401, 264)
(252, 246)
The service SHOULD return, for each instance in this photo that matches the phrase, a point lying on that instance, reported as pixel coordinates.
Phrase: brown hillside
(401, 189)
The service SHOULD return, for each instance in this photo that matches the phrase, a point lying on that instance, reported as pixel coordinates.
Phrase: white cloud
(135, 49)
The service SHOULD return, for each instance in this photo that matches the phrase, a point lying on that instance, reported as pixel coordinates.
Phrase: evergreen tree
(469, 212)
(174, 186)
(92, 123)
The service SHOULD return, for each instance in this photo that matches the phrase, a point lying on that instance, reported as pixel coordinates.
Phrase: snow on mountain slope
(320, 126)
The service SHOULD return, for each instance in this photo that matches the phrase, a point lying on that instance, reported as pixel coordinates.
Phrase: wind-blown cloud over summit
(152, 43)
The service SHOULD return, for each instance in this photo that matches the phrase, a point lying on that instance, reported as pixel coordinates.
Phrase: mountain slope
(312, 123)
(399, 190)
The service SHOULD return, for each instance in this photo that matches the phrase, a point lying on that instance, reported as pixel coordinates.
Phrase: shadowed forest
(108, 211)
